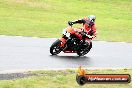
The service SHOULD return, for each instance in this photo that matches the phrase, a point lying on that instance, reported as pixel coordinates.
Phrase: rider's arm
(79, 21)
(94, 31)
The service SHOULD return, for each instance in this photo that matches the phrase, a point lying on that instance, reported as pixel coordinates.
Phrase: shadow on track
(72, 61)
(69, 57)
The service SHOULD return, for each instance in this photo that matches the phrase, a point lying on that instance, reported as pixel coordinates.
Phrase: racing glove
(70, 23)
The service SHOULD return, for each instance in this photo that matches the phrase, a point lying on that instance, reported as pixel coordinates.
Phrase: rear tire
(55, 47)
(83, 52)
(90, 46)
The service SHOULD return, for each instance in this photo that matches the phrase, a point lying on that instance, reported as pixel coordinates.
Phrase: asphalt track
(33, 53)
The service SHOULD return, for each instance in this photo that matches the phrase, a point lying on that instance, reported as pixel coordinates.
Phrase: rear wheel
(84, 51)
(55, 47)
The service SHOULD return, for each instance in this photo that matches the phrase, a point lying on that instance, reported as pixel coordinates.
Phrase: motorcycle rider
(88, 27)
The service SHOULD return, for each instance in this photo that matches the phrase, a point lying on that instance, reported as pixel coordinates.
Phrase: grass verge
(47, 18)
(61, 79)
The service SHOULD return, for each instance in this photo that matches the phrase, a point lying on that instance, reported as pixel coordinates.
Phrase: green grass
(62, 79)
(47, 18)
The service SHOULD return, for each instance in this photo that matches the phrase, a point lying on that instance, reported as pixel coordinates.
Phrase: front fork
(63, 41)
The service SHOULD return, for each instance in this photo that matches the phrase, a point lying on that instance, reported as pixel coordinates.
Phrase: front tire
(55, 47)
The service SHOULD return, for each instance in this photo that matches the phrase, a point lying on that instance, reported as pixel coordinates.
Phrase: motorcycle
(72, 41)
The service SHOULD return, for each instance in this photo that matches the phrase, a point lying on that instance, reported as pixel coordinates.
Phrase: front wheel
(55, 47)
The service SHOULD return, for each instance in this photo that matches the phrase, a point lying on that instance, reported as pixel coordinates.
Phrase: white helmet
(92, 18)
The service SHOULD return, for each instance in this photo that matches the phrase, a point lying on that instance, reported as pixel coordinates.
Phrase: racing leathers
(88, 27)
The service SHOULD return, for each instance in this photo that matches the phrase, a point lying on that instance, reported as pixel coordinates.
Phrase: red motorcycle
(72, 41)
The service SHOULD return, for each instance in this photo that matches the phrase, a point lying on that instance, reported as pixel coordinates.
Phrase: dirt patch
(11, 76)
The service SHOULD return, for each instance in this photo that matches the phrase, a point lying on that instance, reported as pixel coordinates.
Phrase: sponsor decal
(82, 78)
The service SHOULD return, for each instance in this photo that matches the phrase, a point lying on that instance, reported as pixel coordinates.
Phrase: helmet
(92, 18)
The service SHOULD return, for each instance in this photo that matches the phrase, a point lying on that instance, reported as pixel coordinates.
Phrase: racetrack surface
(33, 53)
